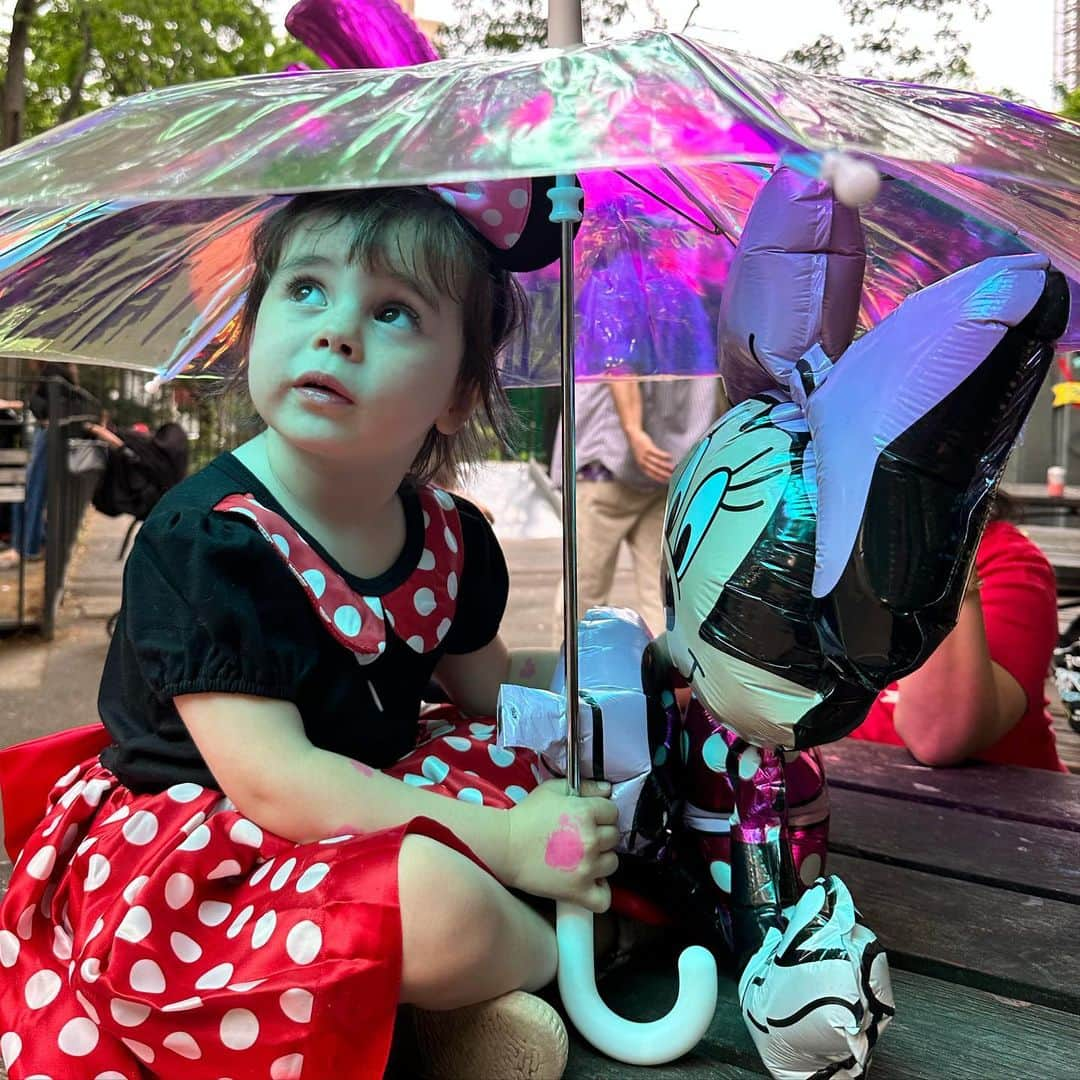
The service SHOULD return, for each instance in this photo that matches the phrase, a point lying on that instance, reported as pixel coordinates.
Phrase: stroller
(137, 475)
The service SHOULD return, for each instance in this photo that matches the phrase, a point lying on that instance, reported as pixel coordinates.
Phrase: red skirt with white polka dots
(168, 936)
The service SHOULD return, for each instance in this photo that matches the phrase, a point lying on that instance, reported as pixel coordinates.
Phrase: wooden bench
(971, 879)
(13, 475)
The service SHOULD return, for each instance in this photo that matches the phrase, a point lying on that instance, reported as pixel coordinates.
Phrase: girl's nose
(343, 343)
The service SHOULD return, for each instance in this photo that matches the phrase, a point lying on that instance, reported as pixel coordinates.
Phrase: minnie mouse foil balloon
(817, 544)
(819, 537)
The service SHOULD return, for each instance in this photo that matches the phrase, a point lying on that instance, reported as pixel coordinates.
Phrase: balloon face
(739, 543)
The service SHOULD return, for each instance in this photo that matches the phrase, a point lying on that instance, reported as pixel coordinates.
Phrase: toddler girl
(264, 862)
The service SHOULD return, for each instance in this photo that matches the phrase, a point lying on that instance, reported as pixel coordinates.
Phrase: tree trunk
(15, 75)
(74, 99)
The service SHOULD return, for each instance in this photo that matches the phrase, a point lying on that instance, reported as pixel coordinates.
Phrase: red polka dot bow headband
(510, 216)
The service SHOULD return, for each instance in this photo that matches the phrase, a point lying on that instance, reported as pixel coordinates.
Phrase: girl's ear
(456, 415)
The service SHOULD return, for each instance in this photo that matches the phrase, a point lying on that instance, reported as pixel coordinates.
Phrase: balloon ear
(795, 281)
(359, 33)
(911, 434)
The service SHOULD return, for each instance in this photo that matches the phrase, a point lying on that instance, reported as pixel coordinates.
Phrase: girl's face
(350, 362)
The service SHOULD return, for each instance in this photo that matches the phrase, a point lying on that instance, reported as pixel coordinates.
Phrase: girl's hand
(562, 846)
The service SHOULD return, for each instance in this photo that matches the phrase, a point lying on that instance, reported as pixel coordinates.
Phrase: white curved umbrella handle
(649, 1043)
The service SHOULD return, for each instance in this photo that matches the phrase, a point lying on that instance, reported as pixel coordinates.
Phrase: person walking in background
(28, 517)
(630, 436)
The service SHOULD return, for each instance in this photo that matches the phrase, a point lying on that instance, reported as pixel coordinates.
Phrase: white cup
(1055, 481)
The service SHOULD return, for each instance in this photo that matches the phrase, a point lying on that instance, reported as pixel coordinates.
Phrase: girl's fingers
(596, 789)
(597, 898)
(603, 811)
(607, 837)
(607, 864)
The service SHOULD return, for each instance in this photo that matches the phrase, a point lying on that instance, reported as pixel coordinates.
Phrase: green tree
(1070, 103)
(82, 54)
(909, 40)
(504, 26)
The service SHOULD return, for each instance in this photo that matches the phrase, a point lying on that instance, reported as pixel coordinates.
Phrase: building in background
(430, 27)
(1066, 44)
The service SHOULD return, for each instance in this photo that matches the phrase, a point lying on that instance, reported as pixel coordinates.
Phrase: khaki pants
(608, 513)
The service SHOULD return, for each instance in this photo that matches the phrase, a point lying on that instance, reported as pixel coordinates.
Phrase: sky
(1013, 48)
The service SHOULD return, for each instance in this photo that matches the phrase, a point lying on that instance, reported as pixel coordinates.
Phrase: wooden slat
(1034, 795)
(14, 494)
(13, 475)
(14, 457)
(940, 1030)
(1031, 859)
(1017, 946)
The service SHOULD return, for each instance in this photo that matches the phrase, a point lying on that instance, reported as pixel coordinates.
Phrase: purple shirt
(675, 414)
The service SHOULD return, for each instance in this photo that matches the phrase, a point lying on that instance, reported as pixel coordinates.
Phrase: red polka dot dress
(150, 929)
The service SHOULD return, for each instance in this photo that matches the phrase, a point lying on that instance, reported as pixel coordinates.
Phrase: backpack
(141, 471)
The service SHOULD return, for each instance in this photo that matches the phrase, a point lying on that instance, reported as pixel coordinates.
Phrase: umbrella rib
(717, 229)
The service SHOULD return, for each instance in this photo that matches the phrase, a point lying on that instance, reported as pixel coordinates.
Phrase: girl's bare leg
(465, 939)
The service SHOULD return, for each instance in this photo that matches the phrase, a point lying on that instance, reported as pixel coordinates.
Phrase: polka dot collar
(420, 610)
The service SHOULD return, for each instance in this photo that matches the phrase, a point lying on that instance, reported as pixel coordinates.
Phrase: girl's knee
(460, 928)
(445, 901)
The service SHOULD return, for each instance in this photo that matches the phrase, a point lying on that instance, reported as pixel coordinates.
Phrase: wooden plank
(1017, 946)
(1034, 795)
(14, 457)
(14, 494)
(939, 1030)
(13, 475)
(1036, 495)
(1031, 859)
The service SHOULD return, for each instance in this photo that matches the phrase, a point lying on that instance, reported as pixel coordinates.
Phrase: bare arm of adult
(959, 702)
(655, 463)
(257, 750)
(105, 435)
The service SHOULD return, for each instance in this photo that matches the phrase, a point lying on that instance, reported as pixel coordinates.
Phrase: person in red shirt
(981, 694)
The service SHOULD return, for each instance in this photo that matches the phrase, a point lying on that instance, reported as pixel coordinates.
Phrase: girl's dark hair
(414, 230)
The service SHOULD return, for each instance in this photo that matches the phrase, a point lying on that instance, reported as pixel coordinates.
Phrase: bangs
(407, 232)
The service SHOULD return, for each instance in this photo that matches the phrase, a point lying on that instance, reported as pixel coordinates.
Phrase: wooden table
(1062, 547)
(1036, 505)
(971, 879)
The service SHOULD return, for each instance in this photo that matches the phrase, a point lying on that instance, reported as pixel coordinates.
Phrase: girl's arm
(959, 702)
(472, 680)
(258, 752)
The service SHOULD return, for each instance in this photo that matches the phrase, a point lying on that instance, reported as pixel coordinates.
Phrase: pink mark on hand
(528, 669)
(564, 849)
(360, 767)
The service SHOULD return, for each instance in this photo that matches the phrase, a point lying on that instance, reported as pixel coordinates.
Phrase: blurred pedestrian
(630, 437)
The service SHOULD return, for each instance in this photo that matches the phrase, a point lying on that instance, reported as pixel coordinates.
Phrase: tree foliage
(1070, 103)
(82, 54)
(908, 40)
(504, 26)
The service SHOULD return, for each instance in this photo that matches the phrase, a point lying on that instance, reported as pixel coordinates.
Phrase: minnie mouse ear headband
(511, 217)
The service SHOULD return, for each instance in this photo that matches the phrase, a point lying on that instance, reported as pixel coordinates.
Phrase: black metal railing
(38, 594)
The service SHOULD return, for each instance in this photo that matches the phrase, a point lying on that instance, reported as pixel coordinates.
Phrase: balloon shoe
(517, 1036)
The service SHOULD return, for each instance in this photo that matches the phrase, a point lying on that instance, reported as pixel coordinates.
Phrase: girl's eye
(306, 291)
(398, 315)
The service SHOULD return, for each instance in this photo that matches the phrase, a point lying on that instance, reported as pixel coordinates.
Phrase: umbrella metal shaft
(569, 487)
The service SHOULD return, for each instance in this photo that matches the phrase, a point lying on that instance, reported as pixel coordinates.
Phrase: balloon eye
(679, 553)
(673, 511)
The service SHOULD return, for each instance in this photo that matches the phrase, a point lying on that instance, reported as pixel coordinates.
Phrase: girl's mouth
(322, 389)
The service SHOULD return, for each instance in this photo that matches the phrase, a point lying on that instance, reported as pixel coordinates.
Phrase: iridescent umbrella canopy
(125, 244)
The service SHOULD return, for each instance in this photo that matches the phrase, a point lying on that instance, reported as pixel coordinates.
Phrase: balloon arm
(650, 1043)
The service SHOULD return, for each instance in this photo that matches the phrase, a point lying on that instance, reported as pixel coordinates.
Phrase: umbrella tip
(855, 182)
(154, 385)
